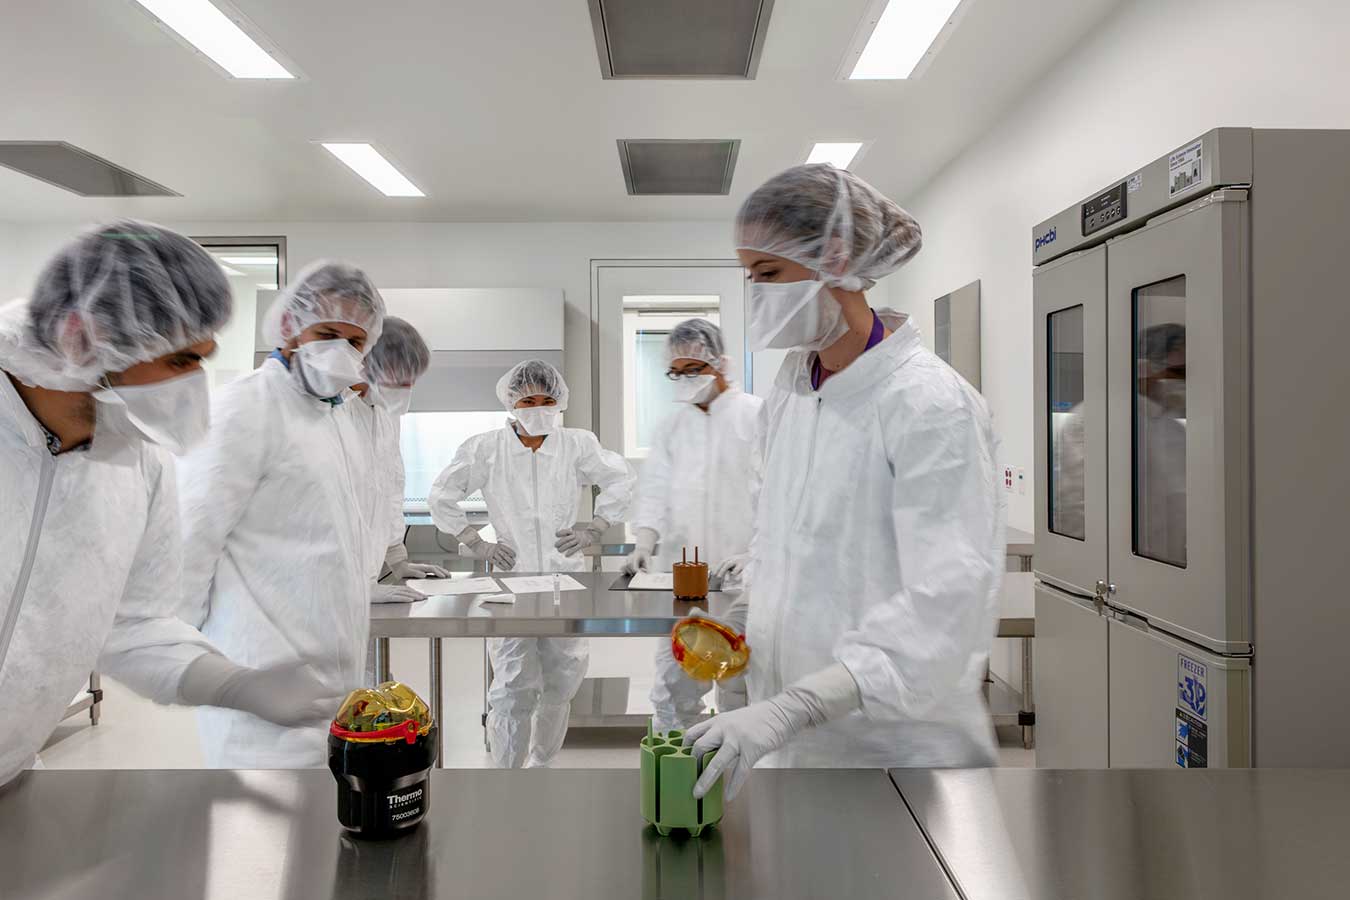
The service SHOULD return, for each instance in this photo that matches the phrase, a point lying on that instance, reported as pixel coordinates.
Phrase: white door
(634, 307)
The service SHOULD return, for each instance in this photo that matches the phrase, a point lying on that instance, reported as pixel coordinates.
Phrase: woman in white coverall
(697, 488)
(392, 367)
(530, 472)
(100, 374)
(278, 550)
(879, 547)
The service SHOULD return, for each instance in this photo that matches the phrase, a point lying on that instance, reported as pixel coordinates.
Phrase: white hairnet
(122, 293)
(829, 220)
(400, 356)
(325, 291)
(695, 339)
(525, 379)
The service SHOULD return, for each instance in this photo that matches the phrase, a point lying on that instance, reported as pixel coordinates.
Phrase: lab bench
(556, 834)
(1136, 834)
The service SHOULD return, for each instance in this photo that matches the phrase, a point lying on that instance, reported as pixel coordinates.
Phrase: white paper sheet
(496, 598)
(541, 584)
(437, 587)
(652, 581)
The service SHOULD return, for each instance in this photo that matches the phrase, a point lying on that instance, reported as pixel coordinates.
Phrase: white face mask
(176, 414)
(537, 420)
(695, 389)
(327, 368)
(798, 315)
(395, 400)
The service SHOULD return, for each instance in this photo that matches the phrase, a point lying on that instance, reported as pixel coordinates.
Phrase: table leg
(382, 673)
(96, 691)
(438, 698)
(1028, 698)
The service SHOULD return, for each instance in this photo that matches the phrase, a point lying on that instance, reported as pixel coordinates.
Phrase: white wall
(1152, 76)
(413, 255)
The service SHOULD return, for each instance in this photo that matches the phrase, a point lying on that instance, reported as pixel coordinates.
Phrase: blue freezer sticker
(1192, 691)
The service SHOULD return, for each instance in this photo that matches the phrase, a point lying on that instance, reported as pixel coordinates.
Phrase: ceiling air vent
(78, 171)
(678, 167)
(679, 38)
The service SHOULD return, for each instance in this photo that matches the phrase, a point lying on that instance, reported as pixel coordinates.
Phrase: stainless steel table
(552, 834)
(1123, 834)
(1022, 546)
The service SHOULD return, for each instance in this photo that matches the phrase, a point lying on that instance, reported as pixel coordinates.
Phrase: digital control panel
(1104, 210)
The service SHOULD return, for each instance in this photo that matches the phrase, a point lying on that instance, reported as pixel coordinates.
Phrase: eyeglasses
(677, 374)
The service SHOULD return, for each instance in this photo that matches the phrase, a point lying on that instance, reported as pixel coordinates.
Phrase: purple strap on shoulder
(878, 332)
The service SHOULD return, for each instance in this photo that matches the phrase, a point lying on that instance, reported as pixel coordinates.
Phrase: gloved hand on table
(572, 541)
(405, 569)
(742, 737)
(640, 560)
(732, 569)
(501, 556)
(288, 694)
(394, 593)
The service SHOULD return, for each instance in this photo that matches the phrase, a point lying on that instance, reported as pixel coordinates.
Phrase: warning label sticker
(1192, 738)
(1185, 169)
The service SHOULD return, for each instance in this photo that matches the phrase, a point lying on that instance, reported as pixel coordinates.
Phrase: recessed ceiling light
(367, 162)
(249, 261)
(899, 35)
(233, 273)
(839, 154)
(208, 29)
(268, 287)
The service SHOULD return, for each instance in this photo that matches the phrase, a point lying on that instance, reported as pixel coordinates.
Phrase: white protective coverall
(879, 544)
(697, 487)
(91, 557)
(278, 551)
(531, 495)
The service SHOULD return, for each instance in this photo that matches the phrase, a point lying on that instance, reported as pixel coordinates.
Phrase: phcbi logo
(1045, 239)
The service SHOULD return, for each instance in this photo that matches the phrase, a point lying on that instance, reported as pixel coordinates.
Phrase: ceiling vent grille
(679, 38)
(78, 171)
(666, 167)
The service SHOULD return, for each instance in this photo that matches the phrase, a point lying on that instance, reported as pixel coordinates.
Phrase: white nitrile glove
(742, 737)
(407, 569)
(732, 568)
(501, 556)
(640, 560)
(572, 541)
(734, 618)
(289, 694)
(394, 593)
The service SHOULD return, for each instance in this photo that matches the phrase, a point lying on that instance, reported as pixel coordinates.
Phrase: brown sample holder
(690, 578)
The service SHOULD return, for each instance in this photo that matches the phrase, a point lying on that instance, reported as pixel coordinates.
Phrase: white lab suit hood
(278, 550)
(100, 590)
(879, 545)
(698, 483)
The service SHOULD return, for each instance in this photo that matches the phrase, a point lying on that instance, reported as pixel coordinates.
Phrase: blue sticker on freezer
(1192, 690)
(1192, 742)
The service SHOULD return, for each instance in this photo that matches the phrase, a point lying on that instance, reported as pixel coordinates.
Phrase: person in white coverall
(278, 547)
(392, 367)
(697, 488)
(879, 538)
(530, 472)
(100, 375)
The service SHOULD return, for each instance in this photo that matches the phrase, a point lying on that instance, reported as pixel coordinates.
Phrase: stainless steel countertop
(1123, 834)
(553, 834)
(1020, 543)
(596, 611)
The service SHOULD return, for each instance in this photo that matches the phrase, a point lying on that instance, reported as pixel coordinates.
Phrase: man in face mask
(529, 472)
(99, 367)
(397, 360)
(697, 488)
(279, 548)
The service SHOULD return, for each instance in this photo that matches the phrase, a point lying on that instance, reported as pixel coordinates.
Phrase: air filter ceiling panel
(78, 171)
(678, 167)
(679, 38)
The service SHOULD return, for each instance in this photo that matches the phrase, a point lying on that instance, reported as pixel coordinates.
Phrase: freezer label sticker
(1185, 169)
(1192, 690)
(1192, 742)
(1135, 183)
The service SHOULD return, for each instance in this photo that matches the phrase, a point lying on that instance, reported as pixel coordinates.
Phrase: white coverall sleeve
(611, 473)
(149, 647)
(909, 654)
(652, 504)
(392, 458)
(216, 482)
(465, 474)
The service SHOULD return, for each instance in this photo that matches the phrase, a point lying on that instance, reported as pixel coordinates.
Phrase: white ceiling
(496, 108)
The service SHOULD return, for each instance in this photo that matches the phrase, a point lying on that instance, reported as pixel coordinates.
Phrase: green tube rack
(669, 771)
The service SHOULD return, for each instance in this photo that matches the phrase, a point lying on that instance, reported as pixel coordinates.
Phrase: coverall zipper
(44, 493)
